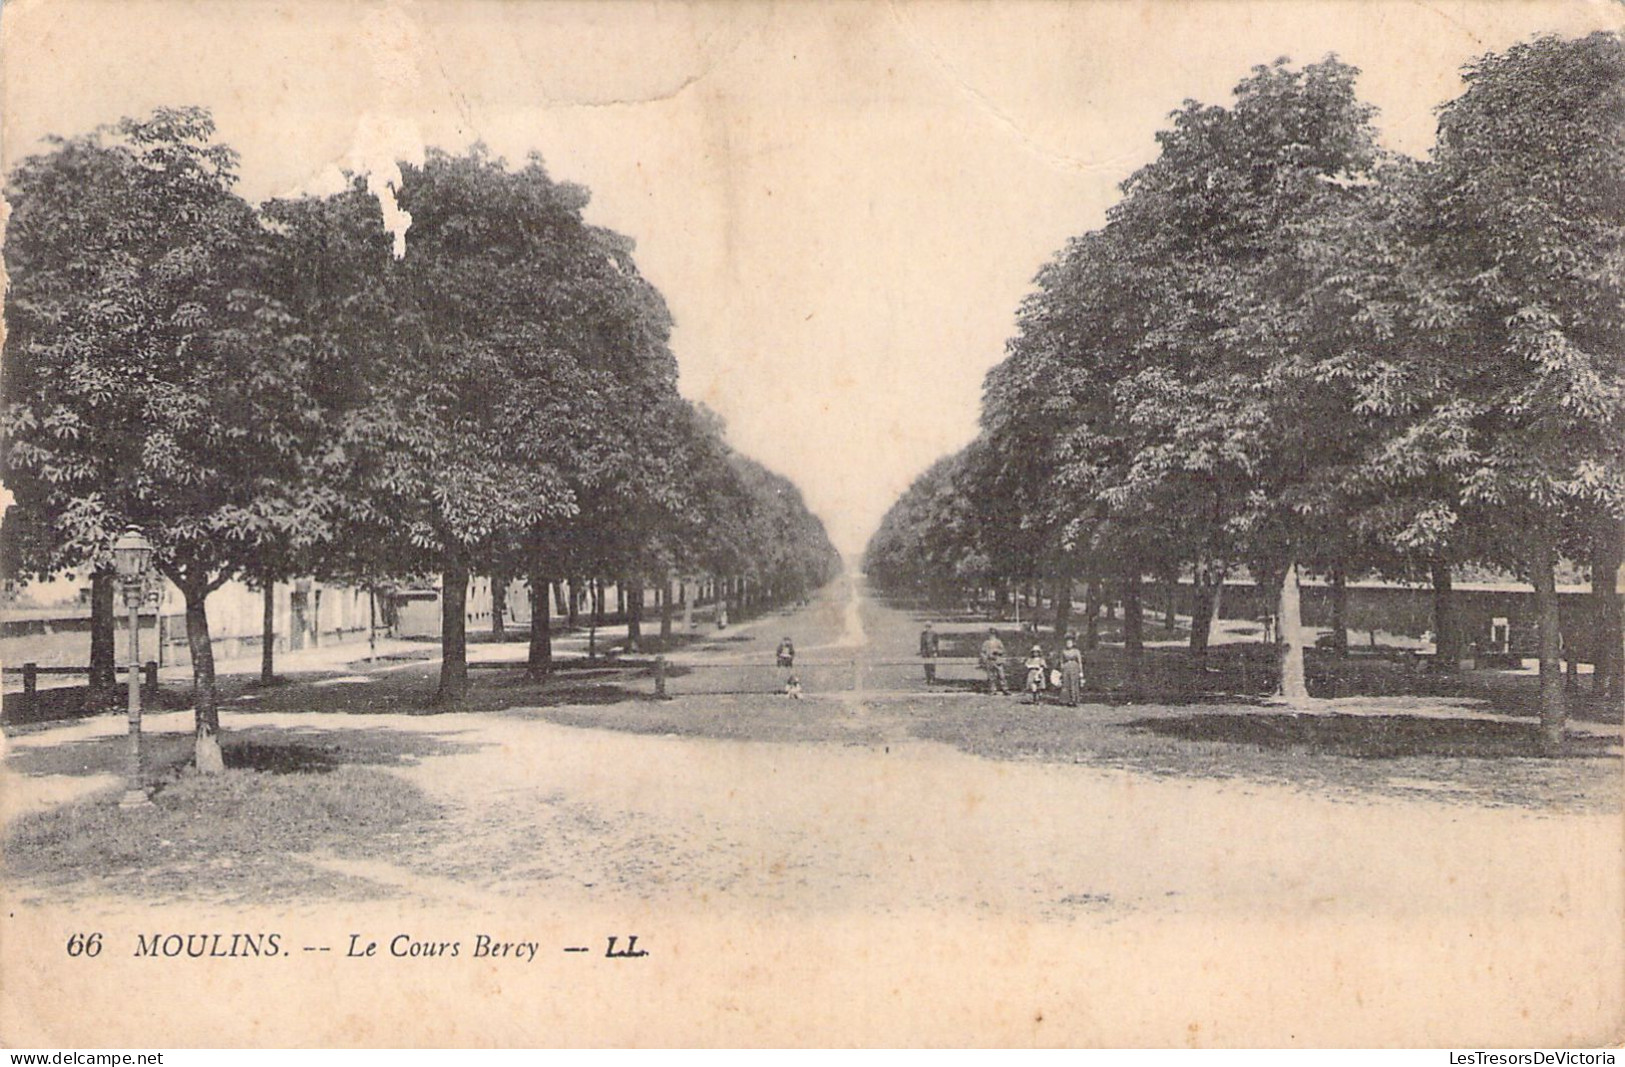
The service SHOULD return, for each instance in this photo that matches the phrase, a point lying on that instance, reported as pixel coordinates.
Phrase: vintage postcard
(774, 523)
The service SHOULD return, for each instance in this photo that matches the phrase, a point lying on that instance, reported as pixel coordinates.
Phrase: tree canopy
(269, 392)
(1289, 350)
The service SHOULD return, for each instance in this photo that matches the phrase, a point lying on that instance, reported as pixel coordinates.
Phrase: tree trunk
(540, 662)
(204, 696)
(560, 601)
(595, 615)
(1205, 608)
(1201, 604)
(665, 614)
(572, 613)
(1133, 632)
(453, 633)
(1289, 630)
(499, 605)
(634, 615)
(1215, 608)
(1133, 615)
(688, 607)
(1340, 611)
(268, 632)
(1608, 655)
(1063, 604)
(1446, 628)
(103, 691)
(1170, 612)
(1091, 614)
(1553, 709)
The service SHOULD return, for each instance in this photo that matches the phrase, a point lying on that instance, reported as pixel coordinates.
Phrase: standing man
(928, 652)
(992, 657)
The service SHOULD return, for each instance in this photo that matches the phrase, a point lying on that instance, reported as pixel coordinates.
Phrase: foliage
(147, 380)
(1287, 347)
(274, 393)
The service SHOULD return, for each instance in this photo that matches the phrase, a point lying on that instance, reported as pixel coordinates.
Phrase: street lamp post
(132, 555)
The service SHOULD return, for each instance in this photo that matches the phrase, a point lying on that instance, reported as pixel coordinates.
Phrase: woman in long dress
(1071, 672)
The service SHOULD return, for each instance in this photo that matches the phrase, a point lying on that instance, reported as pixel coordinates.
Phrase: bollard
(30, 688)
(660, 676)
(151, 671)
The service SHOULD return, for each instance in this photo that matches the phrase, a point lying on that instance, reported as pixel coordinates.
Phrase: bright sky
(843, 203)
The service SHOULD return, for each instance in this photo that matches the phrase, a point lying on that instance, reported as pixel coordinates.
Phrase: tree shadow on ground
(1336, 755)
(274, 749)
(490, 689)
(67, 702)
(751, 717)
(280, 759)
(958, 685)
(99, 755)
(1372, 736)
(486, 637)
(415, 655)
(1245, 673)
(653, 645)
(585, 691)
(290, 749)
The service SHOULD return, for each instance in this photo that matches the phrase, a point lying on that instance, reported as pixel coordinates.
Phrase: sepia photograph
(1092, 523)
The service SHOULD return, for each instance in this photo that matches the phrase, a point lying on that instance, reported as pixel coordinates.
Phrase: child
(1037, 674)
(792, 688)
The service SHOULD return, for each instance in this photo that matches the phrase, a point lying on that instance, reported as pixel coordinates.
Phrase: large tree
(332, 273)
(928, 543)
(455, 435)
(1166, 401)
(147, 378)
(1527, 231)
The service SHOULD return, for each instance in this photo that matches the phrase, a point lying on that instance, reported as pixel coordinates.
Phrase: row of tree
(280, 391)
(1292, 351)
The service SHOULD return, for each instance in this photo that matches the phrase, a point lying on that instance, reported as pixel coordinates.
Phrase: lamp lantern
(132, 555)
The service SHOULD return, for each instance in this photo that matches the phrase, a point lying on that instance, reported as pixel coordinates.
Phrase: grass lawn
(1346, 756)
(294, 792)
(236, 838)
